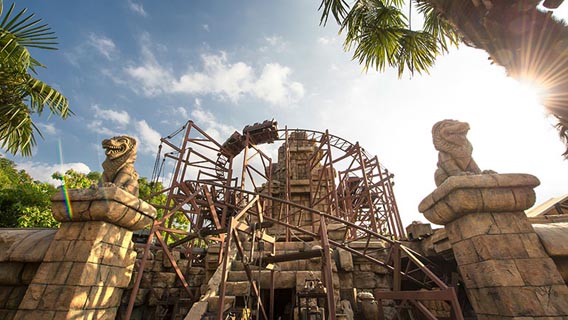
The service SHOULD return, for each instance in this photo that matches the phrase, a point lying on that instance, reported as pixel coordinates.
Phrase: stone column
(505, 268)
(90, 260)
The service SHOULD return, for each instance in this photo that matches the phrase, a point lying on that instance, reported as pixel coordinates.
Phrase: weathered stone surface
(483, 301)
(345, 260)
(167, 262)
(364, 280)
(110, 204)
(164, 279)
(539, 272)
(85, 267)
(373, 244)
(512, 222)
(554, 237)
(103, 297)
(12, 301)
(337, 231)
(532, 245)
(213, 303)
(492, 273)
(24, 245)
(417, 230)
(463, 194)
(240, 288)
(345, 279)
(500, 246)
(464, 252)
(10, 273)
(471, 225)
(197, 310)
(369, 309)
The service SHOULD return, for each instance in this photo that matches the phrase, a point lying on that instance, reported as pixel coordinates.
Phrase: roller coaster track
(361, 201)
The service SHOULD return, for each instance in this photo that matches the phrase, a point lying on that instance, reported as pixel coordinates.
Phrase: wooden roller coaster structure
(217, 205)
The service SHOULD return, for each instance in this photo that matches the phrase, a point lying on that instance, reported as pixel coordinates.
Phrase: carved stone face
(451, 131)
(118, 146)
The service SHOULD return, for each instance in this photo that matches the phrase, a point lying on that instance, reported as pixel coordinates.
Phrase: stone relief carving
(118, 167)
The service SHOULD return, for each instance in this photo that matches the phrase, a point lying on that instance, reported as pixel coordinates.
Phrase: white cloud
(327, 40)
(153, 78)
(207, 120)
(274, 40)
(274, 43)
(235, 80)
(99, 127)
(205, 27)
(181, 112)
(273, 86)
(120, 118)
(43, 171)
(149, 139)
(105, 46)
(218, 77)
(137, 8)
(48, 128)
(108, 122)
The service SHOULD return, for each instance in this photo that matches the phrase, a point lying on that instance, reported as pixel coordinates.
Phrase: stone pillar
(90, 260)
(506, 271)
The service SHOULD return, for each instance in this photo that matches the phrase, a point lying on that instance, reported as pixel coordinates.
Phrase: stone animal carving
(118, 166)
(368, 306)
(345, 307)
(455, 150)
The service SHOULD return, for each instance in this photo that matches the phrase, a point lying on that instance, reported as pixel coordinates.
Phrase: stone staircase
(287, 275)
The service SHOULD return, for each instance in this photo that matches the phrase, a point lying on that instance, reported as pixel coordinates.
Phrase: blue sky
(144, 68)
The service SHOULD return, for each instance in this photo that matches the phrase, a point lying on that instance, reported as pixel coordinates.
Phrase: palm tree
(21, 94)
(530, 44)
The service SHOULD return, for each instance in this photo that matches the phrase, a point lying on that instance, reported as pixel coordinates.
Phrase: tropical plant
(24, 203)
(529, 43)
(21, 94)
(380, 34)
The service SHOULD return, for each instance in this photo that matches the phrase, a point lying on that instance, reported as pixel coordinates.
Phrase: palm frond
(380, 36)
(16, 129)
(417, 51)
(13, 53)
(41, 94)
(21, 94)
(562, 127)
(338, 8)
(26, 31)
(443, 31)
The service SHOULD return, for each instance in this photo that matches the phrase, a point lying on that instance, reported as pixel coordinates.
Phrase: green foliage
(152, 192)
(21, 94)
(76, 180)
(379, 33)
(24, 202)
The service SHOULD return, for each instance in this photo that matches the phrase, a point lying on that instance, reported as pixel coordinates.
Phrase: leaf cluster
(21, 94)
(76, 180)
(380, 35)
(24, 202)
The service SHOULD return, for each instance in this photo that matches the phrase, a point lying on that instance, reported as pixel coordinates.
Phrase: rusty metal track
(207, 202)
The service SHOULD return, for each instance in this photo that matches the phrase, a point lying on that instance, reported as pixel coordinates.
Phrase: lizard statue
(454, 158)
(118, 167)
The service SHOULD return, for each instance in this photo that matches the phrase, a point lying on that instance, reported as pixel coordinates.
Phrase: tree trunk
(528, 43)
